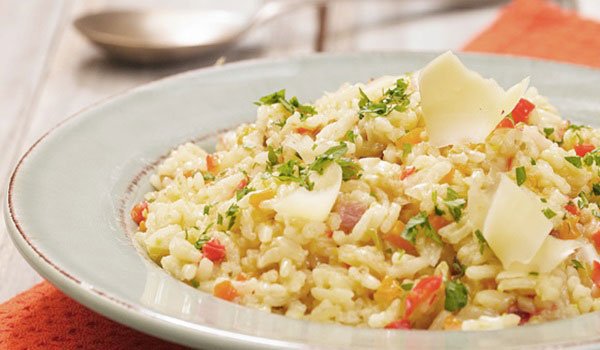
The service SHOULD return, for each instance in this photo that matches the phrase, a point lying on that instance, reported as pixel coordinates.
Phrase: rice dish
(432, 200)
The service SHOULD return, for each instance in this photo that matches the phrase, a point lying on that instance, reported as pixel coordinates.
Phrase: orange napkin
(44, 318)
(537, 28)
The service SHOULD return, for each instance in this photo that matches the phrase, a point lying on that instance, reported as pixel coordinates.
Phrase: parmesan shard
(459, 105)
(312, 205)
(515, 227)
(552, 252)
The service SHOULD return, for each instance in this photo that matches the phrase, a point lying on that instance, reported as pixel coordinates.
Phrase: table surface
(48, 71)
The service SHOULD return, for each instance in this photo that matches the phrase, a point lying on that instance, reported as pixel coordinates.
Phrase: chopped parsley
(534, 273)
(394, 99)
(521, 175)
(350, 169)
(533, 162)
(549, 213)
(203, 238)
(583, 201)
(548, 131)
(454, 204)
(208, 176)
(417, 223)
(576, 127)
(596, 189)
(481, 240)
(576, 264)
(207, 209)
(231, 213)
(458, 269)
(350, 136)
(575, 161)
(406, 149)
(273, 157)
(292, 105)
(407, 286)
(244, 191)
(456, 296)
(219, 219)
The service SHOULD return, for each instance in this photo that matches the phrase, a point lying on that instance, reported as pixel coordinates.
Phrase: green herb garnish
(549, 213)
(481, 240)
(456, 296)
(575, 161)
(407, 286)
(417, 223)
(521, 175)
(548, 131)
(576, 264)
(454, 204)
(394, 99)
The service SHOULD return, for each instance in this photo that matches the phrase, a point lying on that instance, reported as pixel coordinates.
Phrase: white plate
(70, 195)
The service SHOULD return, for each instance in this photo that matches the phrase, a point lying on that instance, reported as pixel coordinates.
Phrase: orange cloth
(44, 318)
(537, 28)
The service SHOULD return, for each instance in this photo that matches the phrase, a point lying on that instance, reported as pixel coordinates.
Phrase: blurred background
(49, 70)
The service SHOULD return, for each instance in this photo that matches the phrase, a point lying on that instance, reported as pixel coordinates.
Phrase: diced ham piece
(350, 213)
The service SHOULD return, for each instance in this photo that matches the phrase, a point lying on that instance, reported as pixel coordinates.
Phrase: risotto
(432, 200)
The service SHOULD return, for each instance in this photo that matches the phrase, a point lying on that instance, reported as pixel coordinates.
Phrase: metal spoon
(158, 36)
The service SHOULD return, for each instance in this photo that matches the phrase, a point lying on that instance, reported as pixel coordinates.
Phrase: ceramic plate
(68, 201)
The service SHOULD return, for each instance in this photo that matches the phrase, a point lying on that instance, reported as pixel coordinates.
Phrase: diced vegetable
(406, 172)
(596, 274)
(211, 164)
(506, 123)
(398, 324)
(582, 150)
(214, 251)
(572, 208)
(422, 293)
(520, 113)
(596, 240)
(437, 222)
(225, 290)
(397, 241)
(388, 291)
(139, 212)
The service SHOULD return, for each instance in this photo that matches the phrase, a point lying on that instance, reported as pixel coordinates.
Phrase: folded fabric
(537, 28)
(44, 318)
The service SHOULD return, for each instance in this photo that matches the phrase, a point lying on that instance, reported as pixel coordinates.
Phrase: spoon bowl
(153, 36)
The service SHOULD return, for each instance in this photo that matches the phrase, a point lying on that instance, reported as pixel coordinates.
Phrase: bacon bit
(408, 171)
(596, 239)
(350, 213)
(572, 208)
(596, 274)
(139, 212)
(398, 324)
(522, 110)
(437, 222)
(142, 227)
(509, 163)
(423, 292)
(214, 251)
(211, 164)
(506, 123)
(329, 233)
(584, 149)
(241, 277)
(388, 291)
(412, 137)
(225, 290)
(524, 315)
